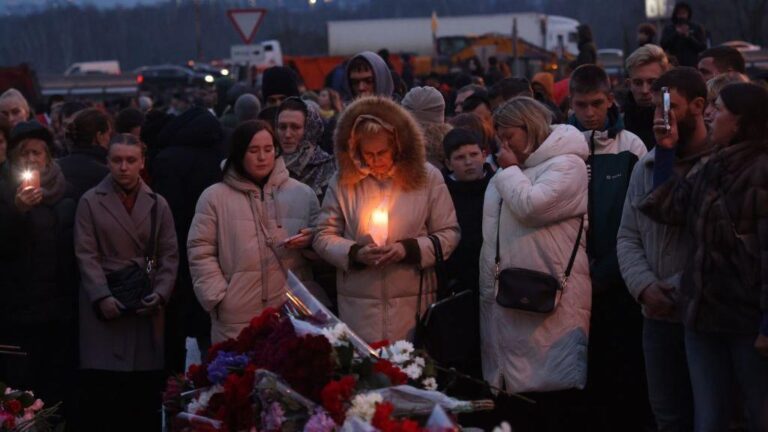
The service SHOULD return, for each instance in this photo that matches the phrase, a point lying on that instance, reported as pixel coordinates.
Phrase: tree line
(165, 32)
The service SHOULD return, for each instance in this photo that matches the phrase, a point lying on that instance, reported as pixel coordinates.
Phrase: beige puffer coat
(236, 274)
(380, 303)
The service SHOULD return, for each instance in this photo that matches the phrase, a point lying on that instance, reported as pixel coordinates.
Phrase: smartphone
(667, 105)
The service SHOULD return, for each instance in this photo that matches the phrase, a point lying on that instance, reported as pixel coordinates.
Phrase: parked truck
(414, 35)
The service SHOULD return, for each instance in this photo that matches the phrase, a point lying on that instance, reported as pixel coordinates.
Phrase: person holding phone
(38, 279)
(248, 230)
(122, 349)
(723, 207)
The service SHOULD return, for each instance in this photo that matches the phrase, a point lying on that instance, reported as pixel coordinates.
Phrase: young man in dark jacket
(644, 66)
(683, 38)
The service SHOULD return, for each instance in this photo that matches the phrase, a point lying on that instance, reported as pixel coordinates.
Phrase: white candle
(379, 226)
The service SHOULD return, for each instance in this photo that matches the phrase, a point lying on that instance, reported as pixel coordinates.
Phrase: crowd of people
(650, 209)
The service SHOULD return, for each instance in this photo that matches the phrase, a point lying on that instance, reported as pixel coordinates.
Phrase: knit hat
(279, 80)
(426, 104)
(27, 130)
(247, 107)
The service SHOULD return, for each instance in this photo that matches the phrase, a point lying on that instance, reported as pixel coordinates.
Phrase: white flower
(364, 405)
(420, 361)
(413, 371)
(203, 398)
(429, 384)
(337, 335)
(399, 352)
(503, 427)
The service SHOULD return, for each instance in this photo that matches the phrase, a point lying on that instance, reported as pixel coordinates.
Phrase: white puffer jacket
(542, 206)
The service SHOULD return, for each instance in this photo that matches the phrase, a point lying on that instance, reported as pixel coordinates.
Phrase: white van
(105, 67)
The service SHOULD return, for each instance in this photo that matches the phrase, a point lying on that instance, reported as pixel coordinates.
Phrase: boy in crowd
(467, 176)
(616, 384)
(644, 66)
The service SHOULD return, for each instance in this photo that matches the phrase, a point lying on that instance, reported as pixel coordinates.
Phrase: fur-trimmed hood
(410, 170)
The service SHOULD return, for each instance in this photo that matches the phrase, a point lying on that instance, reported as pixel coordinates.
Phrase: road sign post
(246, 22)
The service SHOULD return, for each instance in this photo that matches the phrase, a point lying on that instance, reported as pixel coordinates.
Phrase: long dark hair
(241, 138)
(748, 101)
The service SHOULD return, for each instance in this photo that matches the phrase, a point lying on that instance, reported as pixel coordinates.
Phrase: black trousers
(120, 401)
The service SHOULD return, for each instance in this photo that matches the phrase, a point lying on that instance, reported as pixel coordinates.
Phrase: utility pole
(198, 32)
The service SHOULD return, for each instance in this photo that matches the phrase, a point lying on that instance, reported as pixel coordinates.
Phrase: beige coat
(236, 274)
(380, 303)
(108, 238)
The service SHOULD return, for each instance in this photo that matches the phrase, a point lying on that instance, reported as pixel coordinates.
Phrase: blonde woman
(537, 203)
(383, 170)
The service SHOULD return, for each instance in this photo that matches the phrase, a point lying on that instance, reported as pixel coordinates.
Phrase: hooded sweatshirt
(382, 77)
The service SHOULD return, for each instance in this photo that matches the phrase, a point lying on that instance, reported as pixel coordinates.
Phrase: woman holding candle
(247, 231)
(376, 218)
(121, 349)
(38, 282)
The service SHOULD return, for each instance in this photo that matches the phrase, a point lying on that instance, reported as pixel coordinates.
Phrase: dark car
(158, 78)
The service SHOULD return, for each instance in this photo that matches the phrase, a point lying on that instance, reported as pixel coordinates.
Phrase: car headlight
(209, 78)
(225, 72)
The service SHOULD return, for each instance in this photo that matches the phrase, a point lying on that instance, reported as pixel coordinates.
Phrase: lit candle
(30, 178)
(379, 226)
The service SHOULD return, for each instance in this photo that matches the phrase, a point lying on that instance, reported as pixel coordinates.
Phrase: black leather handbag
(449, 329)
(531, 290)
(131, 284)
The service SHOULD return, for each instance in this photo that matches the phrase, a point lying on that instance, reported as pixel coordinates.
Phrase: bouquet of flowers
(302, 369)
(21, 412)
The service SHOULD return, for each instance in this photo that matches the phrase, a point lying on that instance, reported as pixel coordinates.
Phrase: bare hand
(506, 157)
(368, 255)
(28, 197)
(301, 242)
(666, 138)
(761, 345)
(110, 308)
(390, 254)
(657, 301)
(152, 303)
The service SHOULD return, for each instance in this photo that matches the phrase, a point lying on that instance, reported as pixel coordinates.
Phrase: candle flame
(380, 217)
(26, 175)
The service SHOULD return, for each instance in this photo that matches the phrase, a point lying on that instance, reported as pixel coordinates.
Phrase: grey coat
(648, 251)
(108, 238)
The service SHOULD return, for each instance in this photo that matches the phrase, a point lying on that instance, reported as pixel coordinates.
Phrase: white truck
(414, 35)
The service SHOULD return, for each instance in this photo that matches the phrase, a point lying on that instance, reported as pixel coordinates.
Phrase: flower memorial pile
(20, 411)
(300, 369)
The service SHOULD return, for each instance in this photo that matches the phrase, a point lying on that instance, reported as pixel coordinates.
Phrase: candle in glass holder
(379, 226)
(30, 178)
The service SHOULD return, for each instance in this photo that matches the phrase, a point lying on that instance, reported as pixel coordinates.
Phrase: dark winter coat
(188, 162)
(38, 282)
(685, 48)
(464, 265)
(724, 208)
(84, 168)
(639, 121)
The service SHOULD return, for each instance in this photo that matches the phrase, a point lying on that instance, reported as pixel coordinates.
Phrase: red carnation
(395, 374)
(382, 420)
(380, 344)
(336, 394)
(198, 374)
(13, 406)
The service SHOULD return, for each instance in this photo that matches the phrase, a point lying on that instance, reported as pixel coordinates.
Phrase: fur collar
(410, 170)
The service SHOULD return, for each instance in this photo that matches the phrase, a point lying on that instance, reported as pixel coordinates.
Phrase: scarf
(310, 164)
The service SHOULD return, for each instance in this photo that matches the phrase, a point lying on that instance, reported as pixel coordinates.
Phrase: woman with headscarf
(299, 127)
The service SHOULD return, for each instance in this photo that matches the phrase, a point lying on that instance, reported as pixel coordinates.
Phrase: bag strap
(439, 262)
(571, 261)
(150, 254)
